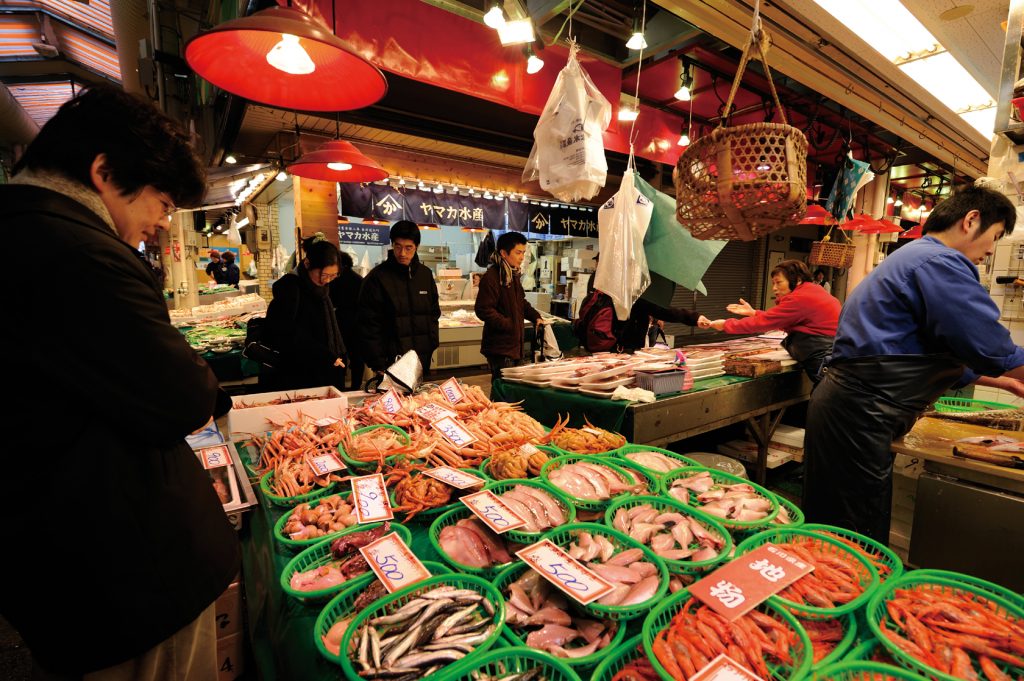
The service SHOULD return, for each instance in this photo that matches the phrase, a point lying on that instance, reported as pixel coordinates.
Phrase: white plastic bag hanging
(622, 224)
(233, 235)
(568, 149)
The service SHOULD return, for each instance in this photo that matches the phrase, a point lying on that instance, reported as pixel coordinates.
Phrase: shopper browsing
(919, 324)
(136, 547)
(344, 293)
(398, 305)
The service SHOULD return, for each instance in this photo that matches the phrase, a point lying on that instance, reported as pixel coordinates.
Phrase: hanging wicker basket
(832, 254)
(742, 182)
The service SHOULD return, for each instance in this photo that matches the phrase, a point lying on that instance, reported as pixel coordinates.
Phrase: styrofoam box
(229, 611)
(230, 660)
(254, 419)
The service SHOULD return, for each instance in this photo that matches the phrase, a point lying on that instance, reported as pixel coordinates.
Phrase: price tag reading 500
(493, 511)
(371, 497)
(393, 562)
(564, 571)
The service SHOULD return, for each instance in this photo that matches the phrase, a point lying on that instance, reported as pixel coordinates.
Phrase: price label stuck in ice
(493, 511)
(371, 499)
(434, 412)
(724, 668)
(215, 457)
(324, 464)
(744, 583)
(454, 432)
(453, 391)
(394, 564)
(565, 572)
(455, 477)
(391, 402)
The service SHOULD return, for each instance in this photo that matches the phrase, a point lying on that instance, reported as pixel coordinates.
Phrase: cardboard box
(244, 420)
(228, 607)
(230, 657)
(907, 467)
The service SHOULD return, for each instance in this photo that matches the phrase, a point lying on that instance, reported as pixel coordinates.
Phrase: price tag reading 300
(393, 563)
(371, 499)
(493, 511)
(454, 477)
(454, 432)
(564, 571)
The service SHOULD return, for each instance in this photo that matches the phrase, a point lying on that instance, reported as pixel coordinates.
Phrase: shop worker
(918, 325)
(803, 309)
(215, 268)
(501, 304)
(138, 546)
(231, 272)
(398, 304)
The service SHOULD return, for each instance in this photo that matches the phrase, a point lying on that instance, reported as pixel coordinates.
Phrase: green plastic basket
(861, 671)
(618, 658)
(501, 662)
(583, 504)
(877, 613)
(661, 616)
(563, 501)
(844, 645)
(450, 518)
(886, 557)
(564, 535)
(518, 638)
(391, 602)
(684, 462)
(299, 544)
(795, 514)
(320, 554)
(1015, 599)
(341, 606)
(777, 535)
(723, 478)
(357, 465)
(639, 474)
(431, 513)
(954, 405)
(669, 506)
(277, 500)
(550, 451)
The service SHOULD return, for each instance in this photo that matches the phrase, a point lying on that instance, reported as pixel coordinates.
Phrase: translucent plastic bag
(568, 149)
(622, 222)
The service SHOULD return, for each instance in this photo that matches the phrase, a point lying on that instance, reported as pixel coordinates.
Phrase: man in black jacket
(345, 296)
(398, 305)
(137, 545)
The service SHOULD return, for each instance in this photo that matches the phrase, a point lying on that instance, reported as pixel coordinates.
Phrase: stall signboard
(367, 235)
(555, 219)
(741, 585)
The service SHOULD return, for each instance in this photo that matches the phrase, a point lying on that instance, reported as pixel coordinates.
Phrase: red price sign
(215, 457)
(741, 585)
(453, 391)
(724, 668)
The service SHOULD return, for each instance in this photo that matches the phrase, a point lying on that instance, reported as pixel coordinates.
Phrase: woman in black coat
(301, 324)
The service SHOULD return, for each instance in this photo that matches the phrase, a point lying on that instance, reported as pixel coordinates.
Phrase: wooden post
(316, 208)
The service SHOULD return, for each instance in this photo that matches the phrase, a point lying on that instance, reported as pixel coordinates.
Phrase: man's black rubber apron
(809, 351)
(855, 413)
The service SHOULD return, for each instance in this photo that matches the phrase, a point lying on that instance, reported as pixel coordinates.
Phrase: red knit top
(809, 309)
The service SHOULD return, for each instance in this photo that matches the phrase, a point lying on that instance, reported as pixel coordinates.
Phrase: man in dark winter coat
(138, 544)
(345, 296)
(502, 305)
(398, 305)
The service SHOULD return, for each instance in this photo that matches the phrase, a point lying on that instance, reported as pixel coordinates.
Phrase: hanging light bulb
(890, 200)
(340, 166)
(401, 182)
(495, 17)
(899, 201)
(685, 83)
(684, 139)
(636, 41)
(282, 176)
(533, 62)
(438, 189)
(230, 158)
(289, 56)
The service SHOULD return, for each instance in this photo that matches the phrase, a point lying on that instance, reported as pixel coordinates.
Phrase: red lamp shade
(916, 232)
(882, 226)
(282, 57)
(338, 161)
(816, 215)
(860, 221)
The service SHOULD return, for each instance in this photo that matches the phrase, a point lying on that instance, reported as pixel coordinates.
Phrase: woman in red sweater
(805, 311)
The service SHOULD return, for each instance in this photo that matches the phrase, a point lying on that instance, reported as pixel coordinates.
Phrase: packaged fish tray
(987, 627)
(589, 544)
(477, 550)
(511, 664)
(675, 618)
(592, 482)
(885, 560)
(521, 635)
(760, 501)
(277, 500)
(398, 646)
(357, 464)
(319, 556)
(340, 611)
(862, 671)
(293, 544)
(563, 514)
(629, 653)
(709, 536)
(831, 639)
(658, 461)
(811, 596)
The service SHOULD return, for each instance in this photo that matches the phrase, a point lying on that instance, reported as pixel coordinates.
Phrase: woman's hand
(339, 363)
(743, 309)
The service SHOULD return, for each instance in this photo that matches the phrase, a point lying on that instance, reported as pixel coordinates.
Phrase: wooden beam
(316, 208)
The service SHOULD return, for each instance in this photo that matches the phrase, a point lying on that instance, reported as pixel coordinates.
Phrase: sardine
(407, 611)
(450, 592)
(453, 620)
(389, 672)
(432, 657)
(364, 649)
(375, 646)
(432, 610)
(468, 628)
(403, 645)
(444, 645)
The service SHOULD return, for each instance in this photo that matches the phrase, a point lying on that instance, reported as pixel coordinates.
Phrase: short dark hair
(405, 229)
(229, 257)
(345, 261)
(993, 206)
(143, 146)
(319, 253)
(509, 240)
(795, 272)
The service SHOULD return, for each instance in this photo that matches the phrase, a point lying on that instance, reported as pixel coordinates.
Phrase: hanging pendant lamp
(338, 161)
(282, 57)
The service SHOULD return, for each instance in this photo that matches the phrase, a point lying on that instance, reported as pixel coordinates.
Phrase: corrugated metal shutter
(736, 273)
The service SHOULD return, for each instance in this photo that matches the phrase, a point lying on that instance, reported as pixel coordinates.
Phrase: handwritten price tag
(742, 584)
(393, 562)
(434, 412)
(493, 511)
(371, 498)
(324, 464)
(454, 477)
(454, 432)
(724, 668)
(568, 574)
(391, 402)
(453, 391)
(214, 457)
(528, 450)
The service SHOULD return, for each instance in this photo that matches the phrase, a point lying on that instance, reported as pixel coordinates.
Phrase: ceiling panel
(41, 100)
(17, 33)
(94, 15)
(90, 52)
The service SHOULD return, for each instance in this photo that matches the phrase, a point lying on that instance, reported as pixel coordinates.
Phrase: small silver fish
(452, 620)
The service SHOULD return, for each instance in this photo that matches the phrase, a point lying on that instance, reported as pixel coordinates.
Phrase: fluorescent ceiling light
(516, 32)
(885, 25)
(242, 223)
(636, 41)
(983, 120)
(948, 81)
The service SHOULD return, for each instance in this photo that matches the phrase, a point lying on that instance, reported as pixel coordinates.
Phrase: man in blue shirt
(918, 325)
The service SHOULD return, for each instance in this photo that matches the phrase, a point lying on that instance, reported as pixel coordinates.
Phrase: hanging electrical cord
(639, 70)
(567, 22)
